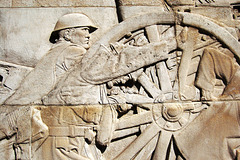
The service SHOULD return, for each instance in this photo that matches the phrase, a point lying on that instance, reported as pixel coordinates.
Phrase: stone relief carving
(153, 89)
(210, 68)
(71, 37)
(11, 76)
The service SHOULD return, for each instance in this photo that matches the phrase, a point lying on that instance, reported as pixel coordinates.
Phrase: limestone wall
(119, 79)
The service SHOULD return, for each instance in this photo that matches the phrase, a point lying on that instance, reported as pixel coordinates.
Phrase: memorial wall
(120, 79)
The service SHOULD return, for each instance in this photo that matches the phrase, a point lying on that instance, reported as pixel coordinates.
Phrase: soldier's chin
(86, 46)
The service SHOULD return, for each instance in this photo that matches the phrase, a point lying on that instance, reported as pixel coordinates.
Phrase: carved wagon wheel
(142, 21)
(185, 19)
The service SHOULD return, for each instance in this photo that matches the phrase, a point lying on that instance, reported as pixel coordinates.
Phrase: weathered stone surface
(15, 132)
(165, 127)
(162, 84)
(221, 14)
(132, 8)
(210, 124)
(220, 3)
(130, 11)
(5, 3)
(139, 3)
(16, 35)
(11, 77)
(63, 3)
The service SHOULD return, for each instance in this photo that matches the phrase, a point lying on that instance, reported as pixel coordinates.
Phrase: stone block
(180, 2)
(162, 84)
(222, 14)
(130, 11)
(139, 3)
(25, 32)
(5, 3)
(63, 126)
(63, 3)
(15, 133)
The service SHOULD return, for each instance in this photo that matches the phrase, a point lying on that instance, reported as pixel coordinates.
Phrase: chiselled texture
(16, 128)
(162, 84)
(139, 3)
(15, 38)
(5, 3)
(63, 3)
(207, 130)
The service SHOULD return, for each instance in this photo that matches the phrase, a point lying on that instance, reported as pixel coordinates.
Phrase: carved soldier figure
(86, 84)
(71, 40)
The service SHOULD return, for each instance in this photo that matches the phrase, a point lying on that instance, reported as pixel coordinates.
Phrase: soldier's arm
(107, 66)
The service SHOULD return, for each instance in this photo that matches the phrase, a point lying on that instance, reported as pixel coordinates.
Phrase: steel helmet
(72, 20)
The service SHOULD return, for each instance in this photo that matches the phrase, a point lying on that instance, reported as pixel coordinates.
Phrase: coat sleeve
(107, 66)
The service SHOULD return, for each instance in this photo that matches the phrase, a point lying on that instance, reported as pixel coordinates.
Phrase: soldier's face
(81, 37)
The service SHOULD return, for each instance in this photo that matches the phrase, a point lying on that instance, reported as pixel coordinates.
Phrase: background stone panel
(25, 32)
(57, 3)
(5, 3)
(161, 109)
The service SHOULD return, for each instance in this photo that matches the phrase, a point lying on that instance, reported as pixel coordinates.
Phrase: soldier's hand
(136, 74)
